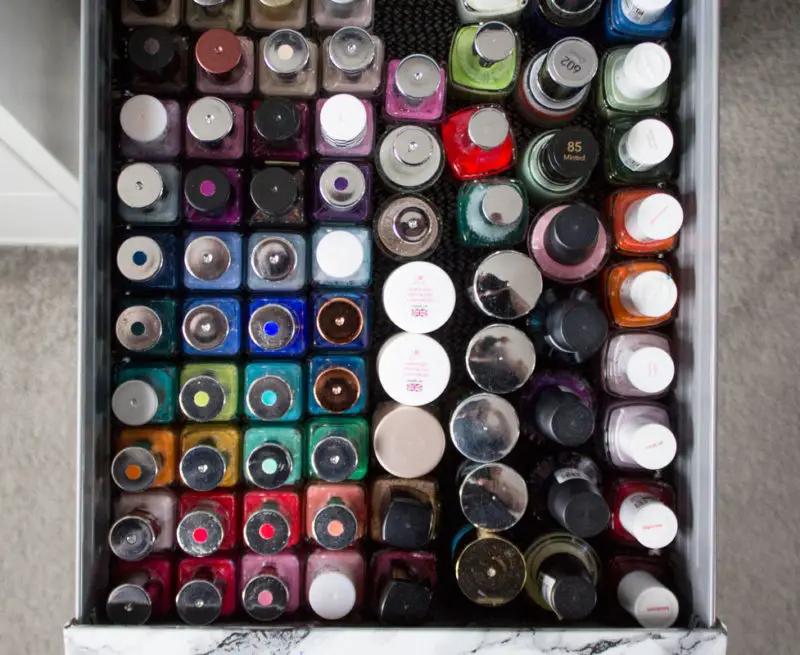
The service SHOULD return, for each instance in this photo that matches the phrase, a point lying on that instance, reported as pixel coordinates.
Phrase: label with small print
(416, 372)
(563, 475)
(419, 298)
(635, 14)
(641, 500)
(627, 159)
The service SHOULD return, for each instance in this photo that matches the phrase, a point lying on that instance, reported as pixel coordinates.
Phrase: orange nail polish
(145, 458)
(640, 294)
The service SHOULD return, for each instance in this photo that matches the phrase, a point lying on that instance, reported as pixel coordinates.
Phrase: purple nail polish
(277, 197)
(343, 192)
(215, 130)
(151, 128)
(280, 130)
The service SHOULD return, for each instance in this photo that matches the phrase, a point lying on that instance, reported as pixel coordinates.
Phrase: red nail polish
(478, 142)
(270, 585)
(271, 520)
(143, 524)
(642, 512)
(336, 514)
(142, 591)
(335, 582)
(403, 584)
(206, 589)
(207, 523)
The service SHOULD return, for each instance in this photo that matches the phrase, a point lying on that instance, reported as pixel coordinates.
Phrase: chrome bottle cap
(417, 78)
(494, 42)
(128, 604)
(340, 321)
(408, 227)
(500, 358)
(267, 531)
(502, 205)
(134, 469)
(274, 259)
(202, 398)
(343, 121)
(200, 533)
(144, 119)
(269, 398)
(506, 285)
(205, 327)
(286, 52)
(342, 185)
(209, 4)
(410, 157)
(134, 402)
(337, 389)
(269, 466)
(334, 458)
(198, 602)
(140, 185)
(493, 497)
(488, 128)
(139, 259)
(138, 328)
(351, 50)
(265, 597)
(275, 4)
(202, 468)
(272, 327)
(209, 120)
(207, 258)
(132, 538)
(484, 427)
(334, 527)
(565, 72)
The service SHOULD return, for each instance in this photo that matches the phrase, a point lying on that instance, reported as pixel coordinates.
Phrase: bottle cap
(570, 154)
(209, 3)
(277, 120)
(198, 602)
(484, 427)
(650, 293)
(205, 327)
(202, 398)
(351, 50)
(132, 538)
(646, 67)
(656, 217)
(266, 531)
(576, 326)
(408, 442)
(649, 142)
(151, 49)
(493, 497)
(502, 205)
(274, 258)
(650, 370)
(404, 602)
(407, 523)
(419, 297)
(334, 527)
(343, 120)
(644, 12)
(269, 466)
(408, 227)
(265, 597)
(269, 398)
(579, 507)
(134, 402)
(563, 417)
(209, 120)
(273, 191)
(139, 259)
(572, 234)
(650, 521)
(202, 468)
(218, 51)
(342, 185)
(651, 445)
(506, 285)
(207, 258)
(138, 328)
(573, 597)
(208, 190)
(337, 389)
(134, 469)
(128, 604)
(410, 157)
(500, 358)
(647, 600)
(340, 321)
(332, 595)
(339, 254)
(139, 185)
(417, 77)
(143, 118)
(488, 128)
(490, 571)
(413, 369)
(200, 533)
(494, 42)
(571, 64)
(286, 52)
(272, 327)
(334, 458)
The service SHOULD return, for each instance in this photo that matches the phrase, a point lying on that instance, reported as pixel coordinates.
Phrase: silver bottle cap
(129, 604)
(134, 469)
(269, 465)
(274, 259)
(493, 497)
(334, 458)
(134, 402)
(139, 259)
(132, 538)
(494, 42)
(408, 226)
(342, 8)
(210, 3)
(266, 531)
(207, 258)
(209, 119)
(417, 78)
(140, 185)
(202, 398)
(506, 285)
(351, 50)
(138, 328)
(500, 358)
(202, 468)
(265, 597)
(205, 327)
(335, 527)
(488, 128)
(198, 602)
(200, 533)
(342, 185)
(269, 398)
(502, 205)
(272, 327)
(410, 157)
(343, 121)
(572, 63)
(286, 52)
(484, 427)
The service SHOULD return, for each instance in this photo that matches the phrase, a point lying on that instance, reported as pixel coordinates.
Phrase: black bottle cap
(151, 50)
(199, 602)
(577, 326)
(128, 604)
(335, 527)
(273, 191)
(269, 466)
(572, 153)
(265, 597)
(266, 531)
(572, 234)
(563, 417)
(277, 121)
(573, 598)
(202, 468)
(208, 190)
(407, 523)
(403, 602)
(334, 458)
(579, 507)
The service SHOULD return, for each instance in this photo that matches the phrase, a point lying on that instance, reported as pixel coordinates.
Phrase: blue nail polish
(337, 384)
(147, 328)
(211, 326)
(212, 261)
(274, 391)
(277, 327)
(273, 456)
(277, 261)
(149, 262)
(144, 394)
(341, 320)
(627, 20)
(341, 257)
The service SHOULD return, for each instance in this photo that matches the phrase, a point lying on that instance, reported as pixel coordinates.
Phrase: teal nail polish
(274, 391)
(273, 456)
(492, 213)
(338, 449)
(144, 394)
(148, 327)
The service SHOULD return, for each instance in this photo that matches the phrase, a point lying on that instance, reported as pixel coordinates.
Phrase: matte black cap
(208, 190)
(579, 507)
(151, 50)
(335, 527)
(265, 597)
(404, 602)
(269, 465)
(198, 602)
(573, 598)
(563, 417)
(128, 604)
(273, 191)
(277, 121)
(572, 153)
(572, 234)
(334, 458)
(407, 523)
(202, 468)
(577, 326)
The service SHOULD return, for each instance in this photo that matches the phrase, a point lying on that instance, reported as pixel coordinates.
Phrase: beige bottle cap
(409, 442)
(143, 118)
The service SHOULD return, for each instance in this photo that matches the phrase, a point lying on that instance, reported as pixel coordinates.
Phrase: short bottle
(338, 448)
(212, 261)
(403, 585)
(478, 142)
(273, 456)
(277, 327)
(146, 458)
(209, 457)
(208, 14)
(334, 582)
(637, 436)
(493, 497)
(336, 514)
(345, 127)
(215, 130)
(211, 327)
(643, 222)
(341, 320)
(500, 358)
(278, 198)
(639, 20)
(640, 294)
(149, 262)
(642, 513)
(158, 61)
(343, 192)
(271, 520)
(505, 285)
(147, 327)
(337, 384)
(555, 84)
(341, 257)
(481, 11)
(403, 513)
(288, 65)
(413, 369)
(408, 442)
(270, 585)
(330, 15)
(164, 13)
(213, 196)
(149, 194)
(492, 212)
(268, 15)
(484, 61)
(408, 227)
(207, 523)
(419, 297)
(209, 392)
(638, 152)
(144, 394)
(484, 427)
(151, 128)
(143, 523)
(409, 158)
(277, 261)
(352, 62)
(141, 591)
(224, 63)
(280, 130)
(415, 90)
(274, 392)
(637, 364)
(560, 18)
(633, 81)
(206, 589)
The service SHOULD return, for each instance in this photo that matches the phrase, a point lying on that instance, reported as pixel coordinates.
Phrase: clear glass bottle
(484, 61)
(149, 262)
(415, 90)
(288, 65)
(163, 13)
(215, 130)
(149, 193)
(207, 14)
(637, 364)
(147, 327)
(639, 20)
(478, 142)
(337, 384)
(278, 198)
(209, 392)
(144, 394)
(343, 192)
(341, 257)
(330, 15)
(206, 589)
(341, 320)
(352, 62)
(270, 585)
(211, 327)
(637, 436)
(273, 456)
(481, 11)
(409, 158)
(335, 514)
(638, 152)
(224, 64)
(151, 128)
(158, 61)
(338, 448)
(268, 15)
(212, 261)
(145, 458)
(277, 261)
(213, 196)
(640, 294)
(345, 127)
(280, 130)
(274, 391)
(277, 327)
(334, 585)
(143, 523)
(643, 222)
(207, 522)
(633, 80)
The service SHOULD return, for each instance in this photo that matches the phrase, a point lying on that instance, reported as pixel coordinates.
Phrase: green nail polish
(338, 449)
(484, 61)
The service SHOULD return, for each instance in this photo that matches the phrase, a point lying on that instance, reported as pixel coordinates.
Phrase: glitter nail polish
(213, 196)
(280, 130)
(278, 198)
(151, 128)
(404, 513)
(492, 212)
(341, 257)
(489, 569)
(343, 192)
(416, 87)
(493, 497)
(407, 227)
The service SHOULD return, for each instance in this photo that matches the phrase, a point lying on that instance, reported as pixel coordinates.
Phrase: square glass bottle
(343, 192)
(213, 261)
(143, 523)
(278, 198)
(204, 15)
(642, 513)
(341, 257)
(147, 327)
(637, 364)
(640, 294)
(288, 66)
(492, 213)
(157, 61)
(484, 61)
(638, 152)
(345, 127)
(206, 589)
(280, 130)
(274, 391)
(277, 327)
(480, 11)
(144, 394)
(639, 20)
(415, 90)
(352, 62)
(478, 142)
(207, 522)
(403, 513)
(213, 196)
(210, 456)
(149, 262)
(268, 15)
(145, 458)
(209, 392)
(334, 584)
(338, 448)
(555, 19)
(277, 261)
(163, 13)
(273, 456)
(224, 64)
(270, 585)
(141, 591)
(272, 520)
(330, 15)
(335, 514)
(643, 222)
(341, 320)
(211, 327)
(403, 584)
(633, 81)
(215, 130)
(337, 384)
(151, 128)
(149, 194)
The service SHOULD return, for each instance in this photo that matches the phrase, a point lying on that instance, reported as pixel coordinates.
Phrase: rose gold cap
(337, 389)
(408, 441)
(218, 51)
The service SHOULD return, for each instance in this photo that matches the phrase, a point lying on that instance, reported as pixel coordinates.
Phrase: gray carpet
(759, 518)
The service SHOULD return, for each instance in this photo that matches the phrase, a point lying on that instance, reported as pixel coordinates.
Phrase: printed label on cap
(641, 500)
(627, 159)
(636, 14)
(563, 475)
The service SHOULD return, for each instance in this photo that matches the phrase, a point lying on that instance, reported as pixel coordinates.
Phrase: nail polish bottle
(207, 14)
(215, 129)
(151, 128)
(345, 127)
(403, 586)
(280, 130)
(335, 514)
(141, 591)
(144, 523)
(207, 523)
(638, 152)
(493, 497)
(224, 64)
(484, 427)
(206, 589)
(569, 243)
(489, 570)
(637, 436)
(640, 294)
(644, 222)
(338, 448)
(270, 585)
(273, 456)
(147, 327)
(213, 196)
(341, 320)
(500, 358)
(211, 327)
(210, 456)
(556, 83)
(505, 285)
(146, 458)
(209, 392)
(337, 384)
(413, 369)
(277, 327)
(566, 489)
(555, 19)
(404, 513)
(268, 15)
(642, 595)
(352, 62)
(484, 61)
(639, 20)
(410, 158)
(330, 15)
(271, 520)
(157, 61)
(278, 198)
(164, 13)
(415, 90)
(343, 192)
(637, 365)
(568, 327)
(334, 583)
(492, 213)
(557, 164)
(341, 257)
(633, 80)
(407, 227)
(478, 142)
(288, 66)
(212, 261)
(148, 193)
(642, 513)
(274, 391)
(559, 407)
(408, 442)
(419, 297)
(149, 262)
(144, 394)
(480, 11)
(563, 574)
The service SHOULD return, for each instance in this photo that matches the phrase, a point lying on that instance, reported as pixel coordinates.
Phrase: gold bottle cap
(490, 571)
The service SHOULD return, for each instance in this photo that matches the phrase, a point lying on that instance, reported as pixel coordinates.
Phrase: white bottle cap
(419, 297)
(650, 369)
(651, 445)
(143, 118)
(339, 254)
(646, 67)
(332, 595)
(343, 120)
(644, 12)
(413, 369)
(134, 402)
(650, 293)
(649, 142)
(647, 600)
(656, 217)
(651, 522)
